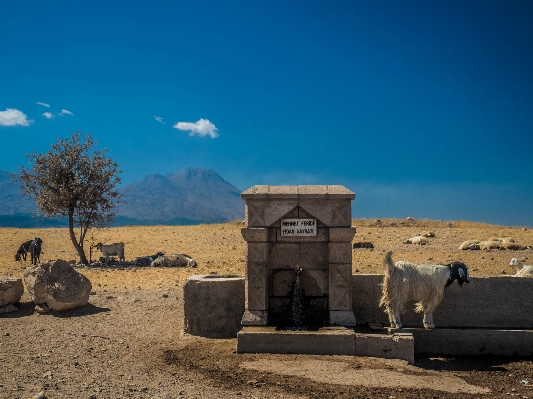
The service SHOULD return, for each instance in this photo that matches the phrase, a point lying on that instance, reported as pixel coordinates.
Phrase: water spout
(297, 305)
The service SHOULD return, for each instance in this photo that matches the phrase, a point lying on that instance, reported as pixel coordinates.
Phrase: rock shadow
(28, 309)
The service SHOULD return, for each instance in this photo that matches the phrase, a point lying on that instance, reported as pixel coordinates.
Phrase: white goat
(521, 269)
(405, 281)
(116, 249)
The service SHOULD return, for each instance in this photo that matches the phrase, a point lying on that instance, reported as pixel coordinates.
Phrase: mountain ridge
(191, 196)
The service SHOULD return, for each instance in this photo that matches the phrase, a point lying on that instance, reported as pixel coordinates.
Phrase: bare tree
(73, 180)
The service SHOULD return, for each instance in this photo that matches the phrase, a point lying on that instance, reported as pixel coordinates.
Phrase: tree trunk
(81, 252)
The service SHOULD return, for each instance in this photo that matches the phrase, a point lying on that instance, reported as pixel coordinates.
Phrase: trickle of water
(297, 306)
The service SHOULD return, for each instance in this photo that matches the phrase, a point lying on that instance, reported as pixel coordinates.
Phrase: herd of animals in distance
(403, 281)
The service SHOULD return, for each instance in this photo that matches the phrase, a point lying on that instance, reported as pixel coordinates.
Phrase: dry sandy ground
(128, 341)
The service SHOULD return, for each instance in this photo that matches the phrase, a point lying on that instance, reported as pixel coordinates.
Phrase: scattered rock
(362, 244)
(11, 290)
(57, 285)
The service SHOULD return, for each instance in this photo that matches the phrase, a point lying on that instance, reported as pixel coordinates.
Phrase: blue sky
(422, 108)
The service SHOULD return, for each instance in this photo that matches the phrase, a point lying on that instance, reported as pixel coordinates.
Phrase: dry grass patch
(220, 248)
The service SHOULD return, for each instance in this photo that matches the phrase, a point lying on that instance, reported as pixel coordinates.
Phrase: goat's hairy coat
(405, 281)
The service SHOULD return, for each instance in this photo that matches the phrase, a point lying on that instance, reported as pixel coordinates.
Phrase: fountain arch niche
(302, 231)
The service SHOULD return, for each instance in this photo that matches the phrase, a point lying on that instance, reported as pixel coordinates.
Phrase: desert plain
(128, 341)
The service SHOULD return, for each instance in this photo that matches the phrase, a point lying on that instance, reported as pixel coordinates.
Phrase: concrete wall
(214, 306)
(487, 302)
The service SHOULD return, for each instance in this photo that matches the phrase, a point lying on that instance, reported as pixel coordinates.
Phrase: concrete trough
(213, 305)
(467, 325)
(359, 341)
(472, 342)
(324, 341)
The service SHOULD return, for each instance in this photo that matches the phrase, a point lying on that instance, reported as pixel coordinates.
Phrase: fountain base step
(358, 341)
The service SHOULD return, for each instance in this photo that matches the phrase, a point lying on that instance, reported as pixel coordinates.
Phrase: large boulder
(11, 290)
(57, 285)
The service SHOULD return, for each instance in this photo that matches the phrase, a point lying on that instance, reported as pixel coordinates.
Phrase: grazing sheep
(470, 244)
(488, 245)
(513, 246)
(35, 250)
(417, 240)
(521, 269)
(505, 239)
(23, 250)
(174, 260)
(116, 249)
(405, 281)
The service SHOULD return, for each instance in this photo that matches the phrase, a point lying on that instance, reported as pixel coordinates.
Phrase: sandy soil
(128, 341)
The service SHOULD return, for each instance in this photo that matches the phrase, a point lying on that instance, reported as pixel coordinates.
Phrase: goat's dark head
(17, 257)
(459, 272)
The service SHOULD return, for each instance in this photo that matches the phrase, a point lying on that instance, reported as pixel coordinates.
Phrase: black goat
(23, 250)
(35, 250)
(146, 260)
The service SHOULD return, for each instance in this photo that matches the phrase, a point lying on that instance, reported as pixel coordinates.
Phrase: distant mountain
(11, 200)
(19, 211)
(192, 196)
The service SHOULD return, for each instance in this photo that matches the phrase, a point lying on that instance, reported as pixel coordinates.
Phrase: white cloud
(43, 104)
(13, 117)
(202, 128)
(159, 119)
(65, 112)
(48, 115)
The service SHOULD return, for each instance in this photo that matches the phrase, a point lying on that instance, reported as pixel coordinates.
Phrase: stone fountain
(298, 234)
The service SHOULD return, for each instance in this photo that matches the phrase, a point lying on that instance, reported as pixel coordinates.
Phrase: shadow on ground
(28, 308)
